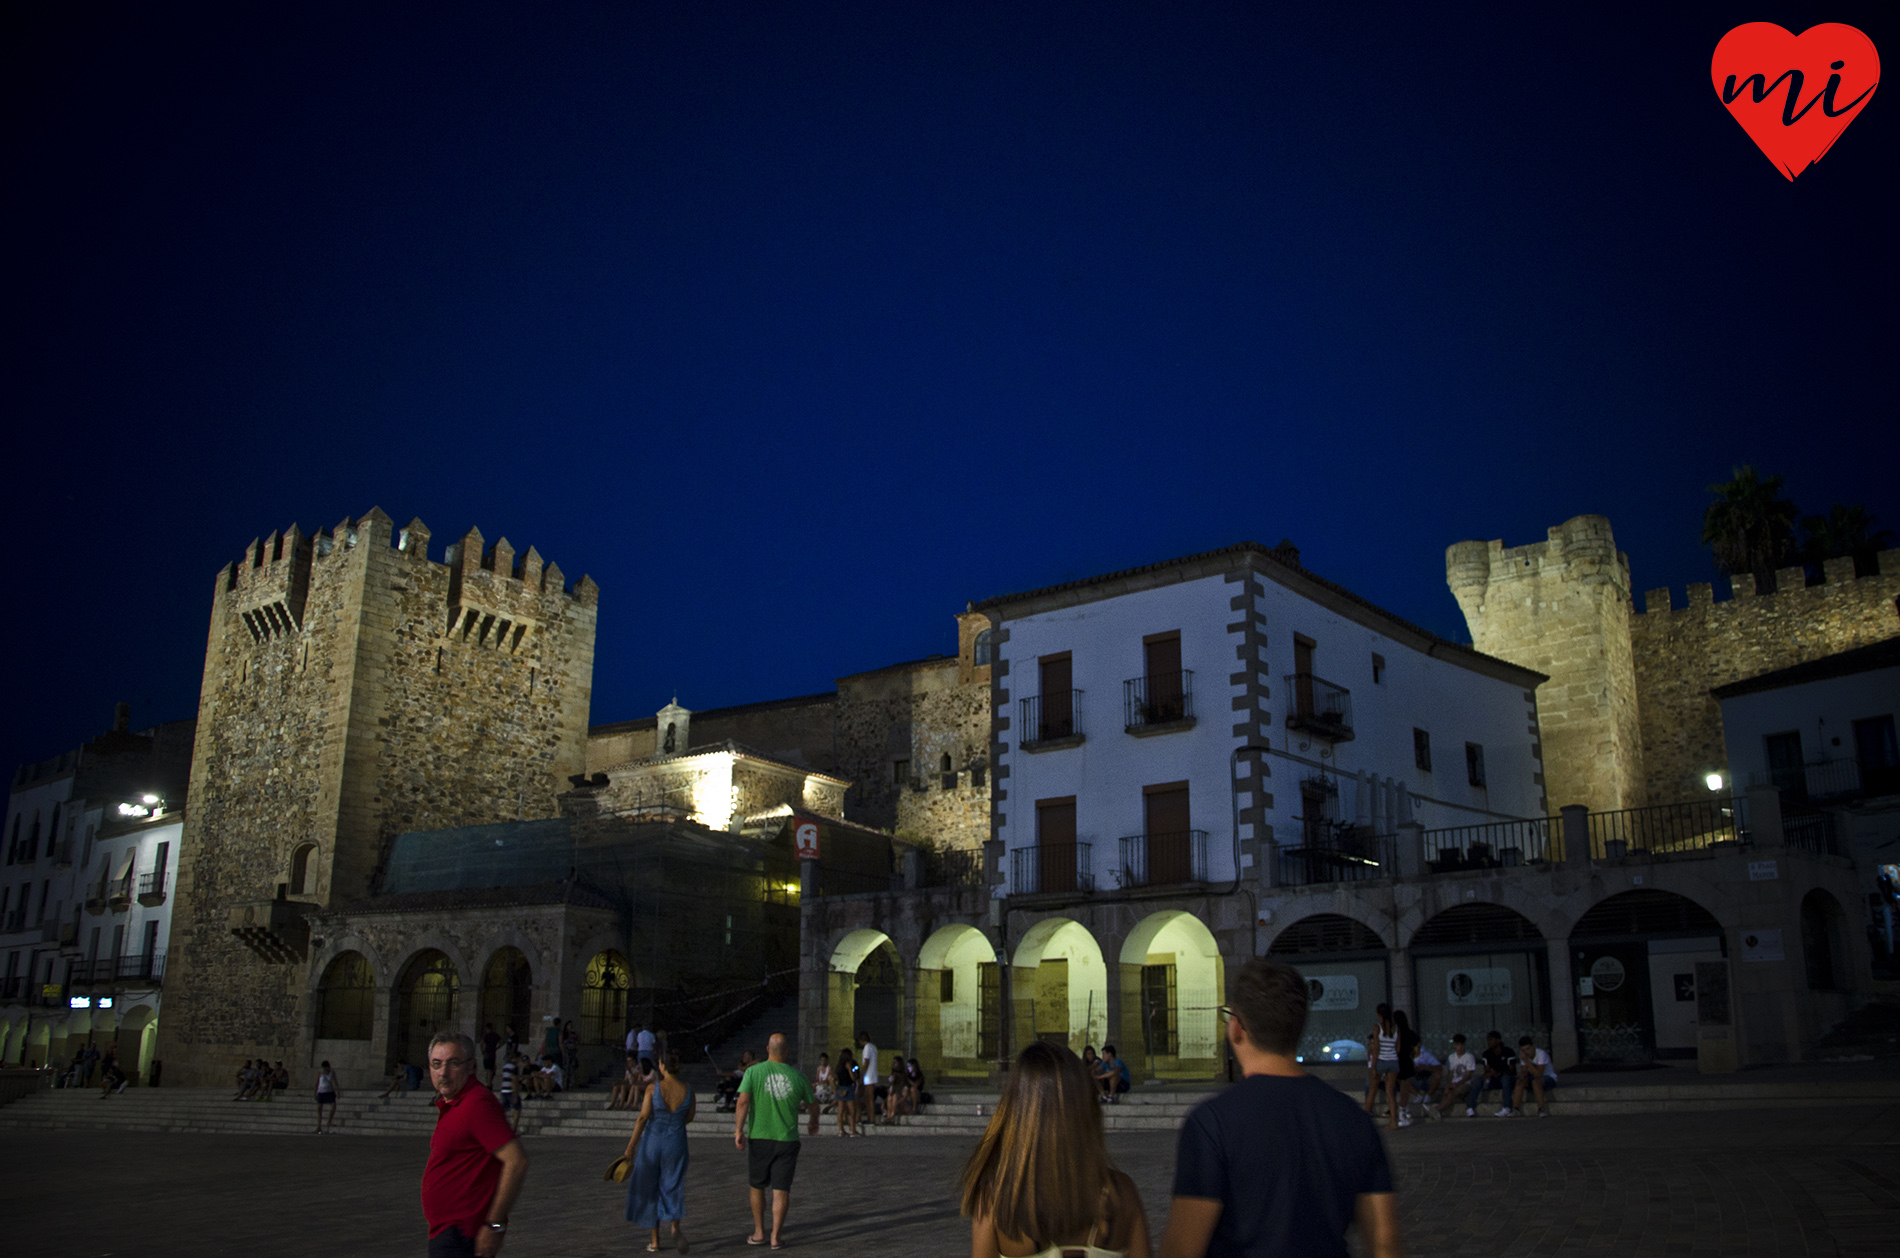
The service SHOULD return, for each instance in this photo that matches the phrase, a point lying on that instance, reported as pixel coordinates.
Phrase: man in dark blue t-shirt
(1281, 1163)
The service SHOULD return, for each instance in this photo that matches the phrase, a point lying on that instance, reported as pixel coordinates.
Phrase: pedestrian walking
(1279, 1164)
(491, 1041)
(510, 1096)
(1408, 1064)
(765, 1125)
(476, 1165)
(1041, 1182)
(656, 1187)
(327, 1092)
(646, 1048)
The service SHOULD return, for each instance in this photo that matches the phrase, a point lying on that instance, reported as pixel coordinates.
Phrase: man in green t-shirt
(771, 1095)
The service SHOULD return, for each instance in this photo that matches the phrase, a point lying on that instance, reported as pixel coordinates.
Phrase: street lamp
(1714, 781)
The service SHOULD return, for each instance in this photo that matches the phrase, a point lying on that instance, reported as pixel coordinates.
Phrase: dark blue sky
(796, 325)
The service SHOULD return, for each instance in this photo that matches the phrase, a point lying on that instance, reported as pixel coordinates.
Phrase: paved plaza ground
(1756, 1182)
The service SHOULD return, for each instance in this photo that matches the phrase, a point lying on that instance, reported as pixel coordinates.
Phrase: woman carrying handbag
(656, 1185)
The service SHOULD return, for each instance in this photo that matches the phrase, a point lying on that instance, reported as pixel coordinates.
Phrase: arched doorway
(1479, 968)
(867, 993)
(959, 1003)
(137, 1035)
(1634, 956)
(508, 992)
(1060, 986)
(1348, 975)
(346, 999)
(1172, 984)
(426, 1001)
(603, 1017)
(1824, 941)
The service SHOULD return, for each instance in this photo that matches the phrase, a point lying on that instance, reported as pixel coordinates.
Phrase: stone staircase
(961, 1114)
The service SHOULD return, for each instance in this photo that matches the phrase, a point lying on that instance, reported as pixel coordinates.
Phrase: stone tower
(354, 690)
(1562, 607)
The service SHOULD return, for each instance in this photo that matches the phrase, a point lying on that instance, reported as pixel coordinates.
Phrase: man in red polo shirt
(476, 1166)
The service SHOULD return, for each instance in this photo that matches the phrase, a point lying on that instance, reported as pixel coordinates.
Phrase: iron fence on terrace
(1688, 829)
(1494, 845)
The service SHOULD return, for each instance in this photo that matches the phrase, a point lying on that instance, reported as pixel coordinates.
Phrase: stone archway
(604, 987)
(1347, 968)
(866, 994)
(427, 998)
(1059, 986)
(1173, 982)
(508, 993)
(137, 1036)
(1480, 967)
(959, 1003)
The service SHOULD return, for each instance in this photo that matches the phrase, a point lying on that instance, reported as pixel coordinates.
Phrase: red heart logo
(1795, 94)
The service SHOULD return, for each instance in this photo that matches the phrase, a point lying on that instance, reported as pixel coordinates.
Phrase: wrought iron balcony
(1494, 845)
(1157, 860)
(1338, 854)
(1319, 708)
(119, 894)
(1052, 720)
(1055, 868)
(1828, 780)
(1161, 702)
(152, 888)
(142, 968)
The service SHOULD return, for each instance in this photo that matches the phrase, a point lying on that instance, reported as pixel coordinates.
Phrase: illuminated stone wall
(353, 690)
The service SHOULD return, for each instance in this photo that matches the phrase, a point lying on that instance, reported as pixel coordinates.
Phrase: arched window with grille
(985, 651)
(604, 998)
(346, 999)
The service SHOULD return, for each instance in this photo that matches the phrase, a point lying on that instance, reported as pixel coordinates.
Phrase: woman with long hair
(1382, 1058)
(1040, 1184)
(656, 1188)
(846, 1090)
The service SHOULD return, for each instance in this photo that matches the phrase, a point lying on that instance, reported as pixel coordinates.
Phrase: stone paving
(1757, 1183)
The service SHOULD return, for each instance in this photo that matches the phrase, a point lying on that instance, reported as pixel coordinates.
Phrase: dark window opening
(1378, 670)
(948, 772)
(1422, 749)
(1474, 764)
(984, 649)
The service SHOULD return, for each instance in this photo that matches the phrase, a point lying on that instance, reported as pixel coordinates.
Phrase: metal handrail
(1318, 707)
(1159, 699)
(1150, 860)
(1059, 717)
(1055, 867)
(1495, 845)
(1686, 829)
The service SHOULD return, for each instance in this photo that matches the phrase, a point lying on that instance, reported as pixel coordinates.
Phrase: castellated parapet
(1562, 607)
(354, 690)
(1627, 716)
(1683, 652)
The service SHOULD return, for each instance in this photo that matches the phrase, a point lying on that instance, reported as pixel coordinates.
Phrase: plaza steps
(954, 1113)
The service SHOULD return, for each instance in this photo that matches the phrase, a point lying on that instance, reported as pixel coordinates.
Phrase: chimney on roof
(121, 718)
(1286, 552)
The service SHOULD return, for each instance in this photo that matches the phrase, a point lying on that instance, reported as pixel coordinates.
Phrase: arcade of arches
(947, 1008)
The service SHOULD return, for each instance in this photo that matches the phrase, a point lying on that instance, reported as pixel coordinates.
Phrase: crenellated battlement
(1790, 587)
(1580, 549)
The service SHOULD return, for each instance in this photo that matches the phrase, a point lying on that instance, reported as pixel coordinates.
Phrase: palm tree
(1750, 526)
(1844, 531)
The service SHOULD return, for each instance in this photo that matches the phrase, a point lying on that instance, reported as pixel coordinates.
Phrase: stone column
(1576, 833)
(1411, 849)
(1401, 997)
(1564, 1051)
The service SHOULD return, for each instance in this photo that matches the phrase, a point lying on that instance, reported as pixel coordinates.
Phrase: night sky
(796, 325)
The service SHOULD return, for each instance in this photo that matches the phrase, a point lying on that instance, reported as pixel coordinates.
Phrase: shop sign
(1763, 871)
(805, 840)
(1478, 987)
(1332, 992)
(1607, 973)
(1762, 945)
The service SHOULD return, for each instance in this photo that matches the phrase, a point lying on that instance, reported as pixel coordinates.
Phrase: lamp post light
(1714, 781)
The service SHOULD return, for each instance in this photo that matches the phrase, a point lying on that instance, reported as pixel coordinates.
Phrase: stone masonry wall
(919, 713)
(1562, 607)
(1681, 653)
(353, 690)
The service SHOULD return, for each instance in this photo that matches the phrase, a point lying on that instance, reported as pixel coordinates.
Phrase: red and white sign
(805, 840)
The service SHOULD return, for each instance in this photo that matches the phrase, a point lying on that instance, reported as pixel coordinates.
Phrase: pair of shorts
(510, 1100)
(326, 1098)
(848, 1093)
(1382, 1069)
(771, 1163)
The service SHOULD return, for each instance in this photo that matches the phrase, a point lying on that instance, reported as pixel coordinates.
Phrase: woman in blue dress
(656, 1189)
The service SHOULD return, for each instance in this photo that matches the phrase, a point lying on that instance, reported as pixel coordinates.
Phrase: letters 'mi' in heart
(1795, 94)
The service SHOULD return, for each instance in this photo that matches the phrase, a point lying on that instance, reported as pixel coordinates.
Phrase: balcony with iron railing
(1051, 721)
(1495, 845)
(119, 893)
(152, 888)
(1158, 704)
(147, 967)
(1318, 708)
(1049, 870)
(1159, 860)
(1828, 780)
(1329, 852)
(1700, 827)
